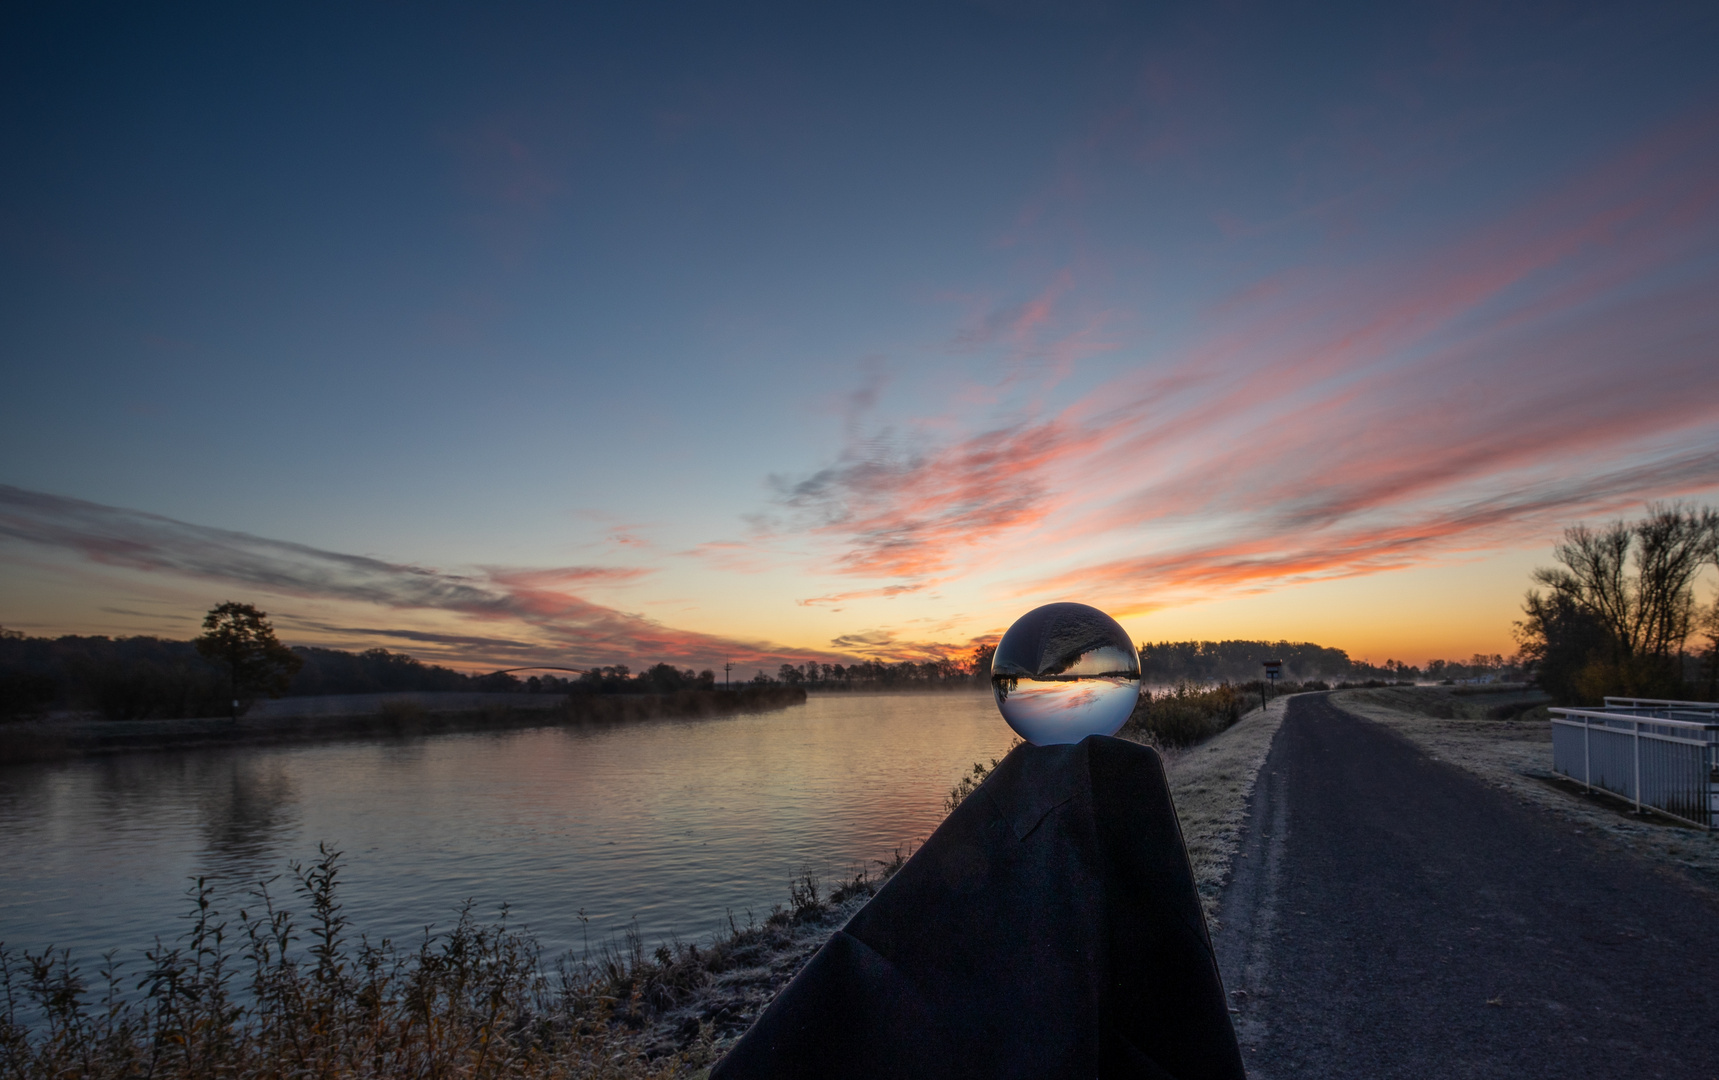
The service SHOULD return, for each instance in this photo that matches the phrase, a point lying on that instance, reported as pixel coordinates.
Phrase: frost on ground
(1211, 784)
(1460, 727)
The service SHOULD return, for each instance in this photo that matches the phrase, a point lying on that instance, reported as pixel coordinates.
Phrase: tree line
(238, 659)
(142, 677)
(973, 669)
(1212, 662)
(1480, 667)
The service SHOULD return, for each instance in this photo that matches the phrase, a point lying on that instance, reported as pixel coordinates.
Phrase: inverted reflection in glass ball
(1063, 672)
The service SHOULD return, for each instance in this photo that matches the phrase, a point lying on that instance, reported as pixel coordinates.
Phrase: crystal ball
(1063, 672)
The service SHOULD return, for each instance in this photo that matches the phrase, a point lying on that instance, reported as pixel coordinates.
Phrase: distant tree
(239, 638)
(665, 679)
(979, 665)
(1401, 671)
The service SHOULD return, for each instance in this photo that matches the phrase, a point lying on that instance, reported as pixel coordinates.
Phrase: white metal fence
(1655, 753)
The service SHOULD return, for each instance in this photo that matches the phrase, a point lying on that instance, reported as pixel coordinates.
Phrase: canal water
(671, 825)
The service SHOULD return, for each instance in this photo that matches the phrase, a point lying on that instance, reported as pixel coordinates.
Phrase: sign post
(1273, 668)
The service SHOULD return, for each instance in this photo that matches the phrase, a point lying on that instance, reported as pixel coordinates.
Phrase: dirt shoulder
(1516, 757)
(1212, 784)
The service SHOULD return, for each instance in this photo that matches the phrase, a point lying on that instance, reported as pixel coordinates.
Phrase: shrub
(1186, 714)
(970, 782)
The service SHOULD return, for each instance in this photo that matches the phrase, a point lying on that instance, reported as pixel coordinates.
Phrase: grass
(1212, 784)
(264, 995)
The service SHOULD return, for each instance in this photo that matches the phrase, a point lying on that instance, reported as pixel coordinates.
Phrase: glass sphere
(1063, 672)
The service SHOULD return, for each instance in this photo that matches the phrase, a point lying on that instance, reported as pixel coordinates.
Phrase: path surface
(1391, 916)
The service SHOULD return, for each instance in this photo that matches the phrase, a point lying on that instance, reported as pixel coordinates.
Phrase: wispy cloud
(907, 512)
(1554, 363)
(886, 592)
(550, 620)
(1281, 555)
(890, 646)
(164, 616)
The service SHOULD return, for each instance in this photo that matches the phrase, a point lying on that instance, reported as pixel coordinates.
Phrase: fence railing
(1654, 753)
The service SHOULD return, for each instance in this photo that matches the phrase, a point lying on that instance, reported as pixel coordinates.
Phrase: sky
(590, 334)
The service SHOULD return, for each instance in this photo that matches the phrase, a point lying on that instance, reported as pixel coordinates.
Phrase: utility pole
(727, 666)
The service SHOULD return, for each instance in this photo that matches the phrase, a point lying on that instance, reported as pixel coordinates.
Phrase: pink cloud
(888, 646)
(1553, 363)
(886, 593)
(905, 513)
(546, 620)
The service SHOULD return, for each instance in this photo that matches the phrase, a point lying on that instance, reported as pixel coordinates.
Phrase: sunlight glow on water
(673, 823)
(1063, 672)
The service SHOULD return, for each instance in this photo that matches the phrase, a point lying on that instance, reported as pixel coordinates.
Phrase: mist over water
(671, 823)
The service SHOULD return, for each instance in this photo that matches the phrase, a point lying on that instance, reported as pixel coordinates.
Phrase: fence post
(1587, 762)
(1707, 781)
(1636, 741)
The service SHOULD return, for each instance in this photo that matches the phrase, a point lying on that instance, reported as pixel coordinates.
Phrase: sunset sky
(505, 334)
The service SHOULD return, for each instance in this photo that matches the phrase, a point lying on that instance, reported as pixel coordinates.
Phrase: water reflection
(1063, 672)
(247, 808)
(1049, 711)
(672, 823)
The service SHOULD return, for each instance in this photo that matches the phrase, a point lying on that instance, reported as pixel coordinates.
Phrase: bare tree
(1636, 582)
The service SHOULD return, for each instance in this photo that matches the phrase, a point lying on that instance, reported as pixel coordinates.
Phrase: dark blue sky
(842, 328)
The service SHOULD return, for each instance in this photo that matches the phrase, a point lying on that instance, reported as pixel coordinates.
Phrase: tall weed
(268, 998)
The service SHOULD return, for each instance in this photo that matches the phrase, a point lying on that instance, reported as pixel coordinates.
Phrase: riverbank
(374, 716)
(662, 1004)
(630, 1008)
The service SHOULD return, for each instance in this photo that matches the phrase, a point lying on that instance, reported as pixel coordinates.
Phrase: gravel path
(1391, 915)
